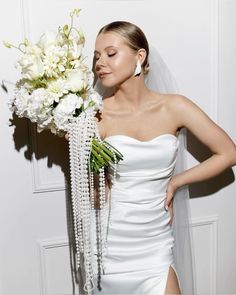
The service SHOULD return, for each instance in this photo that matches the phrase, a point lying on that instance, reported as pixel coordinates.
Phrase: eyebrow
(95, 51)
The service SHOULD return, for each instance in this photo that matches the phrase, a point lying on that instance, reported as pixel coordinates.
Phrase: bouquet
(55, 91)
(56, 86)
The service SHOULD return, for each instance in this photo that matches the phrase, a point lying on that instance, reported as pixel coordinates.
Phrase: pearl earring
(138, 68)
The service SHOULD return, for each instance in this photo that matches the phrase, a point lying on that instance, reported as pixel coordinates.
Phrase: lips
(103, 74)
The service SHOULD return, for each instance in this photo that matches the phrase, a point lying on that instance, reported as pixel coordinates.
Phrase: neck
(132, 93)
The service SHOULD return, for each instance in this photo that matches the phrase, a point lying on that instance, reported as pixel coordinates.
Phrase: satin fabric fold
(139, 239)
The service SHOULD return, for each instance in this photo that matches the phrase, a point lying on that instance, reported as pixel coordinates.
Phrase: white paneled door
(197, 40)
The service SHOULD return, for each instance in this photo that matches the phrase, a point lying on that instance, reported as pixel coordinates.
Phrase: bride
(148, 241)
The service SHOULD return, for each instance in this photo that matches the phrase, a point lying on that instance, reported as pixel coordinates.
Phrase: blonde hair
(134, 36)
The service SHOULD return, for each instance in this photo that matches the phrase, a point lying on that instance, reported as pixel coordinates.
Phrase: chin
(108, 84)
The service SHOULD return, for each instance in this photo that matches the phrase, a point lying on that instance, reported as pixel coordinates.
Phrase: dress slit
(166, 278)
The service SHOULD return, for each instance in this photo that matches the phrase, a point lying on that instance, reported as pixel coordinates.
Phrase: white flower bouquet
(55, 91)
(56, 86)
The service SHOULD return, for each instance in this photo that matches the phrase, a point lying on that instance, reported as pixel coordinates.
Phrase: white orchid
(75, 50)
(31, 49)
(55, 83)
(47, 40)
(77, 36)
(56, 87)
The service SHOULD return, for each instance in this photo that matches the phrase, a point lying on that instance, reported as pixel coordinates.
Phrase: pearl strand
(75, 207)
(81, 132)
(89, 285)
(102, 201)
(80, 145)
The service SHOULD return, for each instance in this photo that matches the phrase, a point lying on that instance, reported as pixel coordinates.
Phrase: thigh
(172, 285)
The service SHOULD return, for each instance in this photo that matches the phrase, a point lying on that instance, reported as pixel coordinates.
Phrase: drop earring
(137, 69)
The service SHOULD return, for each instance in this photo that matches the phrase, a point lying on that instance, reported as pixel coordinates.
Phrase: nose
(100, 62)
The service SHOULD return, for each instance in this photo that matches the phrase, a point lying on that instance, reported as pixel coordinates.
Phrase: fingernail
(166, 207)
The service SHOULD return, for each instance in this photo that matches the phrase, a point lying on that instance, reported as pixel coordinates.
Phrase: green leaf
(66, 29)
(6, 44)
(75, 11)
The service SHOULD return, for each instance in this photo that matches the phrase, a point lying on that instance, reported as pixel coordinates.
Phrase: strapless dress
(139, 239)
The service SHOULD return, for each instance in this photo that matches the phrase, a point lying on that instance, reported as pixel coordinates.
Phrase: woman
(144, 126)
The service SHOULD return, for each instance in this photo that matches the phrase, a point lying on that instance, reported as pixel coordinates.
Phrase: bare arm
(189, 115)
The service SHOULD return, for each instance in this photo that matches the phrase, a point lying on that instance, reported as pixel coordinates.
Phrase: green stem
(100, 159)
(95, 143)
(120, 155)
(102, 153)
(107, 150)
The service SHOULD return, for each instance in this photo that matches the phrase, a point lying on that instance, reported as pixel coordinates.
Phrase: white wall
(197, 40)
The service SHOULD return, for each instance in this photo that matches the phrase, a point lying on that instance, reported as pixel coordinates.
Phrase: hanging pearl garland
(81, 132)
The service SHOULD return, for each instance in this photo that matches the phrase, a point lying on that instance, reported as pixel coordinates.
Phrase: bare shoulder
(183, 109)
(172, 104)
(168, 99)
(189, 115)
(175, 101)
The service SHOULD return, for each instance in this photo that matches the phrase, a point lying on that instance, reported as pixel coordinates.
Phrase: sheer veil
(160, 79)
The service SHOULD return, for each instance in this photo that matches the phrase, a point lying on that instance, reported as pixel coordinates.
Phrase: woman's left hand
(170, 192)
(171, 211)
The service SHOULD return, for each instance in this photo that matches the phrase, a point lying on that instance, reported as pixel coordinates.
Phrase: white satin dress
(139, 239)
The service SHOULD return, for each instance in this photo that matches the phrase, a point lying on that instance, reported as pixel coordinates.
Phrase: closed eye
(112, 54)
(96, 57)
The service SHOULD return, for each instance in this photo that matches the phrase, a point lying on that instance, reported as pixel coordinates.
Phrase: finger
(171, 215)
(168, 200)
(171, 212)
(171, 221)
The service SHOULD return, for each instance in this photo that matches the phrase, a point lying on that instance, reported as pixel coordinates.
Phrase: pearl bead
(81, 132)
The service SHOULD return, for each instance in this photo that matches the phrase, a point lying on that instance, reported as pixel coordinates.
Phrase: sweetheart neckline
(143, 141)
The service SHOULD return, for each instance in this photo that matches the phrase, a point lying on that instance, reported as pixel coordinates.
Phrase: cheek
(123, 67)
(122, 61)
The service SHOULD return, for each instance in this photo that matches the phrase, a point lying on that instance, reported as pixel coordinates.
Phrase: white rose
(47, 40)
(57, 88)
(64, 111)
(20, 102)
(40, 106)
(76, 80)
(31, 66)
(97, 99)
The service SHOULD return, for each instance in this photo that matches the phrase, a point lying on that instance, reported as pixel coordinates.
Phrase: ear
(141, 55)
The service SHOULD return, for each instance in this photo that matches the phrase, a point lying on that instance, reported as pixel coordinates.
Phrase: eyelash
(110, 55)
